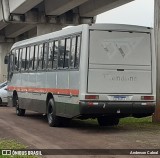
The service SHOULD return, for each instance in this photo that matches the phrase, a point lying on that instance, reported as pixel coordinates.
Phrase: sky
(138, 12)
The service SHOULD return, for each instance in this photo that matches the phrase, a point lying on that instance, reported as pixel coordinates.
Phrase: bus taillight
(147, 97)
(95, 97)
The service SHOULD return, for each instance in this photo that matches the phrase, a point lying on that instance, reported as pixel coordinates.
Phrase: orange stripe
(45, 90)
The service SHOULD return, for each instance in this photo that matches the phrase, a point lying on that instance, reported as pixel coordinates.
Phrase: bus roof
(79, 28)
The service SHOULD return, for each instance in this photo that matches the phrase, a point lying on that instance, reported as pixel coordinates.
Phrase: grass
(12, 144)
(145, 122)
(129, 120)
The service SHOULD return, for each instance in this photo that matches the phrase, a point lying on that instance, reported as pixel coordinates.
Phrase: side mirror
(6, 59)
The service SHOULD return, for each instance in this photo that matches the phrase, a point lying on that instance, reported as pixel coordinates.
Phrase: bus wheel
(0, 101)
(108, 121)
(53, 120)
(19, 111)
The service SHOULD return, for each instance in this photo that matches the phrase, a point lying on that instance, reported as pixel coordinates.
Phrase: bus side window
(11, 62)
(20, 59)
(45, 55)
(36, 57)
(77, 55)
(31, 58)
(16, 65)
(23, 62)
(40, 57)
(73, 49)
(61, 49)
(11, 66)
(67, 52)
(27, 58)
(50, 55)
(55, 55)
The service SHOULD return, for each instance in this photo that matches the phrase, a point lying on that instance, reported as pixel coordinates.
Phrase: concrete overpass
(22, 19)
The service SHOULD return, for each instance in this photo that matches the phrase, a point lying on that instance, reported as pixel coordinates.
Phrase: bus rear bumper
(135, 109)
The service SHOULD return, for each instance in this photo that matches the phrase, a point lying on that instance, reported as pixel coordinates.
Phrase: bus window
(23, 62)
(61, 49)
(11, 62)
(55, 55)
(16, 60)
(36, 57)
(15, 52)
(20, 58)
(40, 57)
(72, 56)
(45, 53)
(50, 56)
(67, 52)
(31, 58)
(11, 66)
(27, 58)
(77, 52)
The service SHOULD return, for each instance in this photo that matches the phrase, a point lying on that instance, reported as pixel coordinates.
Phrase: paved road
(33, 130)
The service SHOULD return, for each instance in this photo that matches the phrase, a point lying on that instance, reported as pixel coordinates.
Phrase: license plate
(119, 97)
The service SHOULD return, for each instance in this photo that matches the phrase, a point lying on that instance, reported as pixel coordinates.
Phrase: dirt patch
(33, 131)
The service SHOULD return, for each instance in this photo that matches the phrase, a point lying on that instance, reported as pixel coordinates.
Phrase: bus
(100, 71)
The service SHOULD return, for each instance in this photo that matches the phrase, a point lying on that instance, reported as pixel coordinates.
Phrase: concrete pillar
(4, 49)
(156, 117)
(47, 28)
(32, 33)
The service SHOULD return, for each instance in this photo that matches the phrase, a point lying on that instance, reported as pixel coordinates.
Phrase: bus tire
(108, 121)
(53, 120)
(19, 111)
(0, 101)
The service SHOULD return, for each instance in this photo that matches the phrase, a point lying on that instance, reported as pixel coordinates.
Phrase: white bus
(101, 71)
